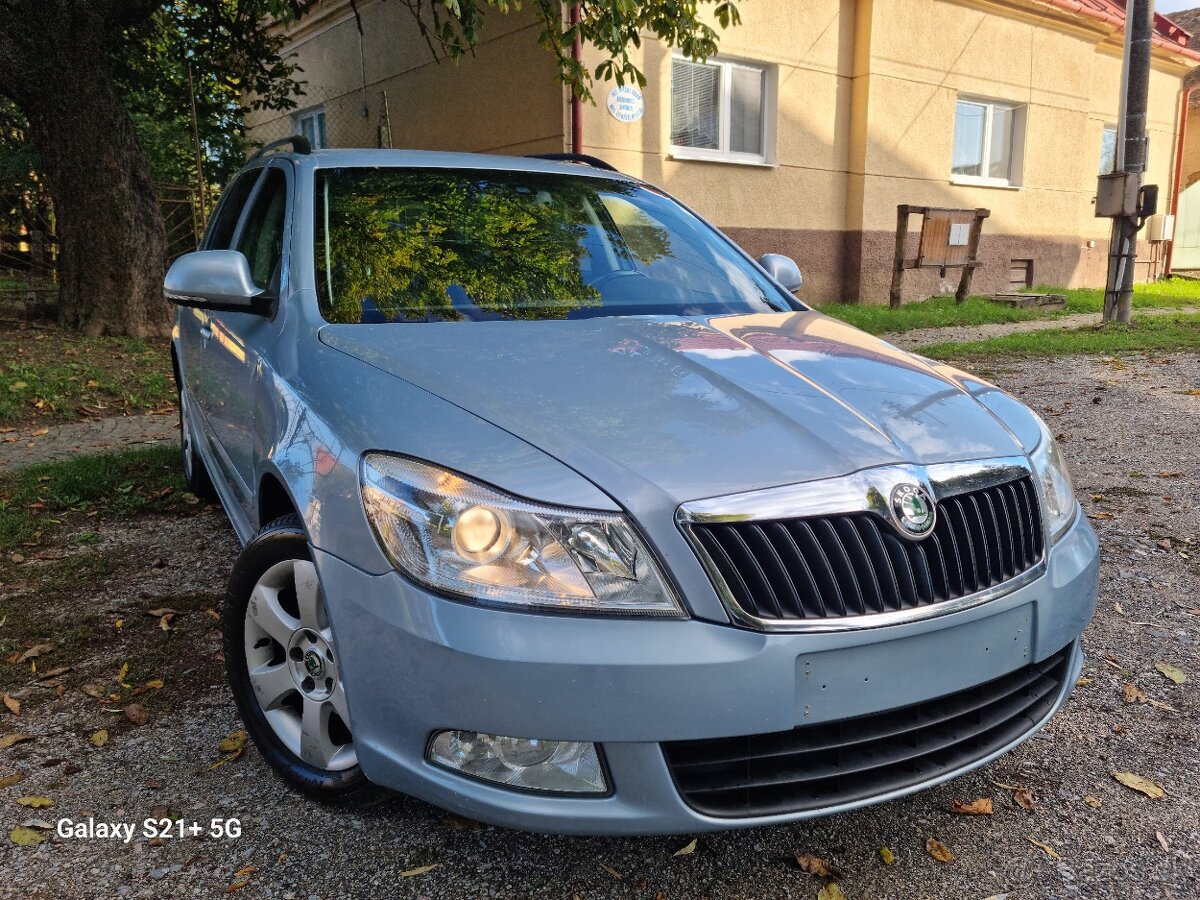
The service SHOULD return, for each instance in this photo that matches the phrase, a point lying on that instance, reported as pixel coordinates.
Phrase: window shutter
(695, 105)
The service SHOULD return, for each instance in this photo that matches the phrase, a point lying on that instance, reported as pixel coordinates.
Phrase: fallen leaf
(1091, 801)
(118, 624)
(1045, 848)
(13, 704)
(1082, 682)
(15, 737)
(831, 892)
(100, 738)
(980, 807)
(686, 850)
(232, 742)
(137, 714)
(213, 614)
(165, 622)
(1173, 673)
(228, 759)
(244, 871)
(124, 670)
(9, 780)
(1131, 693)
(25, 837)
(938, 851)
(35, 651)
(35, 802)
(421, 870)
(159, 613)
(54, 673)
(93, 690)
(607, 868)
(1023, 797)
(1102, 516)
(1138, 783)
(155, 684)
(814, 865)
(887, 856)
(236, 886)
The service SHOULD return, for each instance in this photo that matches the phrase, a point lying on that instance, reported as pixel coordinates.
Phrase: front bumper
(415, 663)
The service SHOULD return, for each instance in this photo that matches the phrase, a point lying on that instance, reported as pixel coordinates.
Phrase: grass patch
(1161, 333)
(36, 499)
(51, 375)
(940, 312)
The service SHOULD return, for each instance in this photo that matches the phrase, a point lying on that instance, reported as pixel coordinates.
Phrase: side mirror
(218, 280)
(783, 269)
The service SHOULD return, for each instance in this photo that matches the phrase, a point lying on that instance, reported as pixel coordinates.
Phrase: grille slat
(855, 564)
(818, 766)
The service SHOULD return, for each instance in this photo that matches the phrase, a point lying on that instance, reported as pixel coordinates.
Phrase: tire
(282, 669)
(194, 472)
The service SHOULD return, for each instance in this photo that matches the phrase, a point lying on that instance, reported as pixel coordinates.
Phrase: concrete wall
(505, 98)
(865, 121)
(865, 107)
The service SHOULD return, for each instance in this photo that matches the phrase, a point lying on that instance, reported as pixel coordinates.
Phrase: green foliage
(1160, 334)
(403, 240)
(453, 27)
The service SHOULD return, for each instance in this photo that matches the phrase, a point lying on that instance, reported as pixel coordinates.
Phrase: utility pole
(1131, 156)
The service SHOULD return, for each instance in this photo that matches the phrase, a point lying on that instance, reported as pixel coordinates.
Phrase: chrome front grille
(841, 566)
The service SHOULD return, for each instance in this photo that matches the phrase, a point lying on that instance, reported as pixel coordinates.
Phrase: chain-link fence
(357, 118)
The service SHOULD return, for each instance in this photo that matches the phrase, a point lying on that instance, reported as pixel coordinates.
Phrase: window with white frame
(311, 124)
(720, 110)
(1108, 149)
(988, 142)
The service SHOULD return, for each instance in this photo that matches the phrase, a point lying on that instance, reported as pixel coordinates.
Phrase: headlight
(1057, 493)
(458, 535)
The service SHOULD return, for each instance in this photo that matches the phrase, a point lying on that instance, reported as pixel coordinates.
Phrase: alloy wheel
(293, 666)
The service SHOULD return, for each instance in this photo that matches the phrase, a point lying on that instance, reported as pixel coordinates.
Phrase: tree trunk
(111, 236)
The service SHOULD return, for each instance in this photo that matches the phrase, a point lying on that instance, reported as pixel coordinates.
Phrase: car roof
(438, 159)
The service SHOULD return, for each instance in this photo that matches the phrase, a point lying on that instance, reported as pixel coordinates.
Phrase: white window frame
(312, 113)
(1017, 151)
(723, 153)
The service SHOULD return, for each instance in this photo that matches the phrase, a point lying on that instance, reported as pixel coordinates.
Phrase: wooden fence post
(898, 261)
(964, 281)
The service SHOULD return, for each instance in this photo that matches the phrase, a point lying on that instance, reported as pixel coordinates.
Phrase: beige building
(816, 119)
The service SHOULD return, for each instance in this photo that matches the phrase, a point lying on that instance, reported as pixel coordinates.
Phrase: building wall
(865, 121)
(504, 98)
(865, 94)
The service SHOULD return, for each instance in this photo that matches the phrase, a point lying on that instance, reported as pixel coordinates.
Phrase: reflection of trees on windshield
(430, 244)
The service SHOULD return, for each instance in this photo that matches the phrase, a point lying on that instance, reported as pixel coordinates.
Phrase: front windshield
(443, 245)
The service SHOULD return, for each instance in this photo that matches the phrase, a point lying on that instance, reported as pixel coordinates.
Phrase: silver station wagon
(561, 512)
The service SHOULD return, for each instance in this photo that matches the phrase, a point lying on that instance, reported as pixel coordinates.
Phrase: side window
(262, 236)
(224, 223)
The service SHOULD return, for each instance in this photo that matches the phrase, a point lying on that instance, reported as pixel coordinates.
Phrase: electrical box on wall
(1160, 228)
(1117, 195)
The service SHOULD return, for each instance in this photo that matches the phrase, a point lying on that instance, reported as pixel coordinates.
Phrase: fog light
(526, 763)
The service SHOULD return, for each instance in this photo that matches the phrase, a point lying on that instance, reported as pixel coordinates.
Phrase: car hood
(692, 407)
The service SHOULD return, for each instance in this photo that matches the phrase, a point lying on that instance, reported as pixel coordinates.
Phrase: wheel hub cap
(311, 662)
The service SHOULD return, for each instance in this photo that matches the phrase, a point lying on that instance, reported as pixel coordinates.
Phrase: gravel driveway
(1130, 428)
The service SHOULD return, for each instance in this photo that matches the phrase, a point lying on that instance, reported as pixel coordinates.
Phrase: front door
(233, 362)
(1185, 253)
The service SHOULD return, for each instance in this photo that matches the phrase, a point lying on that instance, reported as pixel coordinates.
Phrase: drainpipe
(576, 103)
(1186, 95)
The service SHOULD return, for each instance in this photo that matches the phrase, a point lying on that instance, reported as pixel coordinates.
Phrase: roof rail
(298, 142)
(582, 158)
